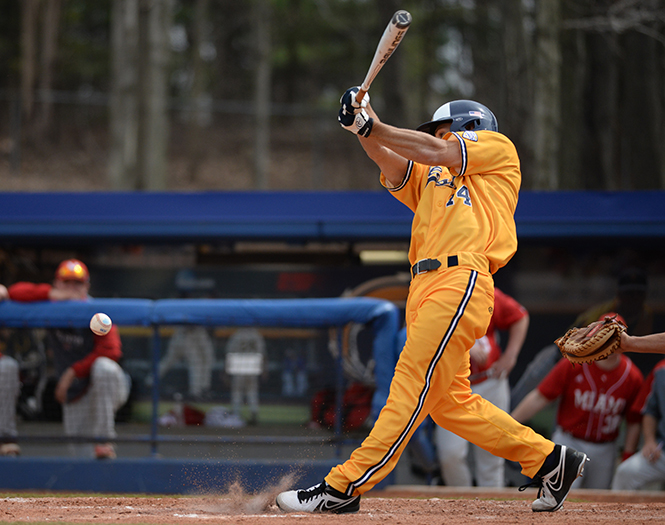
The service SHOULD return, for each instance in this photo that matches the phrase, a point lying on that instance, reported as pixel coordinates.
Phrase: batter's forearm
(418, 146)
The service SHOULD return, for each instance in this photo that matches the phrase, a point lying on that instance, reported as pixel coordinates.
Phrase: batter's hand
(4, 294)
(352, 116)
(349, 102)
(360, 123)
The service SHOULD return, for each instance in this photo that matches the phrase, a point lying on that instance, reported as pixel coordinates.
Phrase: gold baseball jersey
(462, 209)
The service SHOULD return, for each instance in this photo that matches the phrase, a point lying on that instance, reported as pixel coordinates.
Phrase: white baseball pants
(94, 413)
(598, 471)
(637, 471)
(453, 450)
(10, 387)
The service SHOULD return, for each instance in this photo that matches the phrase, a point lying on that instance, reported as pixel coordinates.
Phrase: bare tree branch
(622, 16)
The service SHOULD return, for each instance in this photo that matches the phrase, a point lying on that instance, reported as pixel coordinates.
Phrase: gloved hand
(360, 123)
(352, 115)
(349, 102)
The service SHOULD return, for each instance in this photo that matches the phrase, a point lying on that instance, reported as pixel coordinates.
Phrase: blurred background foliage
(243, 94)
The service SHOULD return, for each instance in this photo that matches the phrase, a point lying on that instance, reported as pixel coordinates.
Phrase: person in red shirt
(91, 386)
(593, 400)
(490, 367)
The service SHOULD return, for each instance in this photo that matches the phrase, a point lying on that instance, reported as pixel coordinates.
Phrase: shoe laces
(536, 482)
(312, 492)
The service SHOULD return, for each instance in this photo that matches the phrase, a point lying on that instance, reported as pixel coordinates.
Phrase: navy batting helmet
(461, 113)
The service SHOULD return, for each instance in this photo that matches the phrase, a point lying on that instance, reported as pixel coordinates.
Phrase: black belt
(425, 265)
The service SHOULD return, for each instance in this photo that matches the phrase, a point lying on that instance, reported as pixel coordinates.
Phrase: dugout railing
(380, 315)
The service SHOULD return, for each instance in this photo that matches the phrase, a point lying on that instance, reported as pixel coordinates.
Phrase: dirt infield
(399, 505)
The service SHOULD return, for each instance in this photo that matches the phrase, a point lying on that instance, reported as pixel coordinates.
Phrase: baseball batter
(461, 179)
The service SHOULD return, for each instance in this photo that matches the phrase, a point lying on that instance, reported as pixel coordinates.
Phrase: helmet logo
(478, 114)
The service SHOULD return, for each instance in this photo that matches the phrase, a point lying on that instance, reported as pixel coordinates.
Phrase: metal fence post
(339, 392)
(156, 353)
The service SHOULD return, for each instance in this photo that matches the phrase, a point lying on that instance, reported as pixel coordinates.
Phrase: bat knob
(402, 19)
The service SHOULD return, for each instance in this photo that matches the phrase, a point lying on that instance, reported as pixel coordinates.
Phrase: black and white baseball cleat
(319, 498)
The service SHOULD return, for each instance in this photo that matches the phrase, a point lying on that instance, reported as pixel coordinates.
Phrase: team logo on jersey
(470, 135)
(434, 175)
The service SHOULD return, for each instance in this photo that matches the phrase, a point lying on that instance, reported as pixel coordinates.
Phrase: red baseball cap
(613, 314)
(72, 270)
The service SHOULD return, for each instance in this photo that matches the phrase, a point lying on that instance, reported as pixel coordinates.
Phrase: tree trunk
(574, 109)
(123, 107)
(261, 22)
(516, 110)
(198, 110)
(29, 19)
(547, 85)
(641, 112)
(154, 26)
(138, 120)
(601, 170)
(49, 48)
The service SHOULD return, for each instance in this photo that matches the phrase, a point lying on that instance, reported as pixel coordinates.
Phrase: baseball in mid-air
(100, 324)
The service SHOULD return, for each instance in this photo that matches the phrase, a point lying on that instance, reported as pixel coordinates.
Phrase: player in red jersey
(91, 384)
(593, 400)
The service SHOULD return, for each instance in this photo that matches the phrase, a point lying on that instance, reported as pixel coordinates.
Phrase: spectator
(294, 374)
(649, 465)
(245, 362)
(593, 400)
(489, 378)
(91, 384)
(193, 345)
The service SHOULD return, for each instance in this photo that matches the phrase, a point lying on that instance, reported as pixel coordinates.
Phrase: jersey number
(463, 194)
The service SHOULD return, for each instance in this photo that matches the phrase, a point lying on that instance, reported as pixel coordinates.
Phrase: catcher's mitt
(593, 342)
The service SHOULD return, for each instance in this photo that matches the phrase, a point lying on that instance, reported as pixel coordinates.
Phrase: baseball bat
(392, 36)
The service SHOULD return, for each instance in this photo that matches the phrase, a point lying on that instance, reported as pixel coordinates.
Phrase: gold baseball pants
(446, 312)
